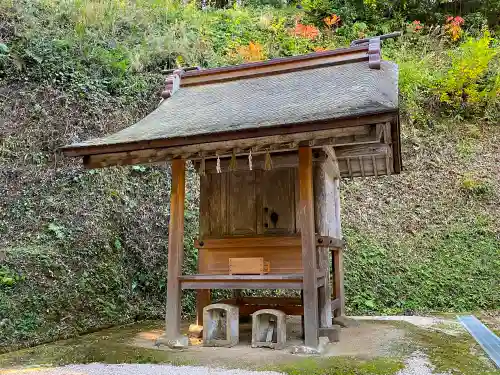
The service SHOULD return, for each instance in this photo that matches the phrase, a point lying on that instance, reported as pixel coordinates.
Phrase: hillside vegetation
(80, 249)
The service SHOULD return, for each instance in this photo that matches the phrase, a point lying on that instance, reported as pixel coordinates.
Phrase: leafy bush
(8, 278)
(471, 83)
(391, 12)
(460, 82)
(475, 186)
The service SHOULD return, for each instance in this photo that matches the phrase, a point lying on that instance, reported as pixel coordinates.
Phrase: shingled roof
(319, 91)
(348, 87)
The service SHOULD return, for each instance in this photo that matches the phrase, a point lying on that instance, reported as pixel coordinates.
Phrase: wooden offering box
(248, 266)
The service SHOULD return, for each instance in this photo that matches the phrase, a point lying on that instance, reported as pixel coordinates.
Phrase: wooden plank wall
(244, 203)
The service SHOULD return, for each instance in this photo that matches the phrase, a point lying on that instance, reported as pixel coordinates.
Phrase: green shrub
(470, 85)
(8, 277)
(475, 186)
(436, 82)
(427, 272)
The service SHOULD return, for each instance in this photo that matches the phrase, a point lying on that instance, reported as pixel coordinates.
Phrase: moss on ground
(460, 355)
(108, 346)
(457, 355)
(112, 346)
(80, 250)
(341, 366)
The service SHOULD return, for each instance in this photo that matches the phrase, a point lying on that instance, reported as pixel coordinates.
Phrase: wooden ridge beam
(276, 66)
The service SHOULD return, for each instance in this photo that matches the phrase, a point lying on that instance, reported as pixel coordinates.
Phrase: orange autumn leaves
(332, 21)
(453, 27)
(254, 51)
(251, 52)
(312, 32)
(305, 31)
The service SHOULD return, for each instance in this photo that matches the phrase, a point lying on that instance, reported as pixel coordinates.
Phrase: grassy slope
(88, 248)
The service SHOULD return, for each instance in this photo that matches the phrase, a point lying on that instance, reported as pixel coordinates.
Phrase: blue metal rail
(483, 335)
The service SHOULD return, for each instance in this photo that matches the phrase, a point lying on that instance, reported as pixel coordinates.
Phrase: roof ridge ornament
(374, 54)
(374, 47)
(173, 82)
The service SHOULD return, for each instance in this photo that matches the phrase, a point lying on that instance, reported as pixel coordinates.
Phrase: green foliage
(425, 273)
(56, 230)
(460, 83)
(390, 13)
(8, 278)
(475, 186)
(469, 82)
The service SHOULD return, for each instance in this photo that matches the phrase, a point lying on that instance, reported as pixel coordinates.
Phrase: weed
(474, 186)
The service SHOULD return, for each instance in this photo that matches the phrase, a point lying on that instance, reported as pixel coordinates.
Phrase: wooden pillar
(338, 263)
(203, 298)
(324, 214)
(309, 261)
(175, 249)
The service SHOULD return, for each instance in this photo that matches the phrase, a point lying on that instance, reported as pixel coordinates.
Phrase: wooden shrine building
(270, 141)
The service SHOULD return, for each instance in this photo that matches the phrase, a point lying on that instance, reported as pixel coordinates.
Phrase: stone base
(302, 349)
(181, 342)
(333, 333)
(345, 322)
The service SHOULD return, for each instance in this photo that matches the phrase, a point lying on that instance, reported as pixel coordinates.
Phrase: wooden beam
(248, 241)
(327, 241)
(249, 305)
(215, 284)
(361, 134)
(338, 266)
(246, 310)
(274, 301)
(335, 304)
(323, 215)
(270, 281)
(265, 241)
(333, 163)
(282, 157)
(279, 160)
(260, 132)
(309, 262)
(175, 249)
(270, 276)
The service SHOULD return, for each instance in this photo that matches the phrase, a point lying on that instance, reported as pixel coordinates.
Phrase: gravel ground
(417, 364)
(135, 369)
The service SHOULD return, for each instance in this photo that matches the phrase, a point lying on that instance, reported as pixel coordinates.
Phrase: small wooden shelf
(269, 281)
